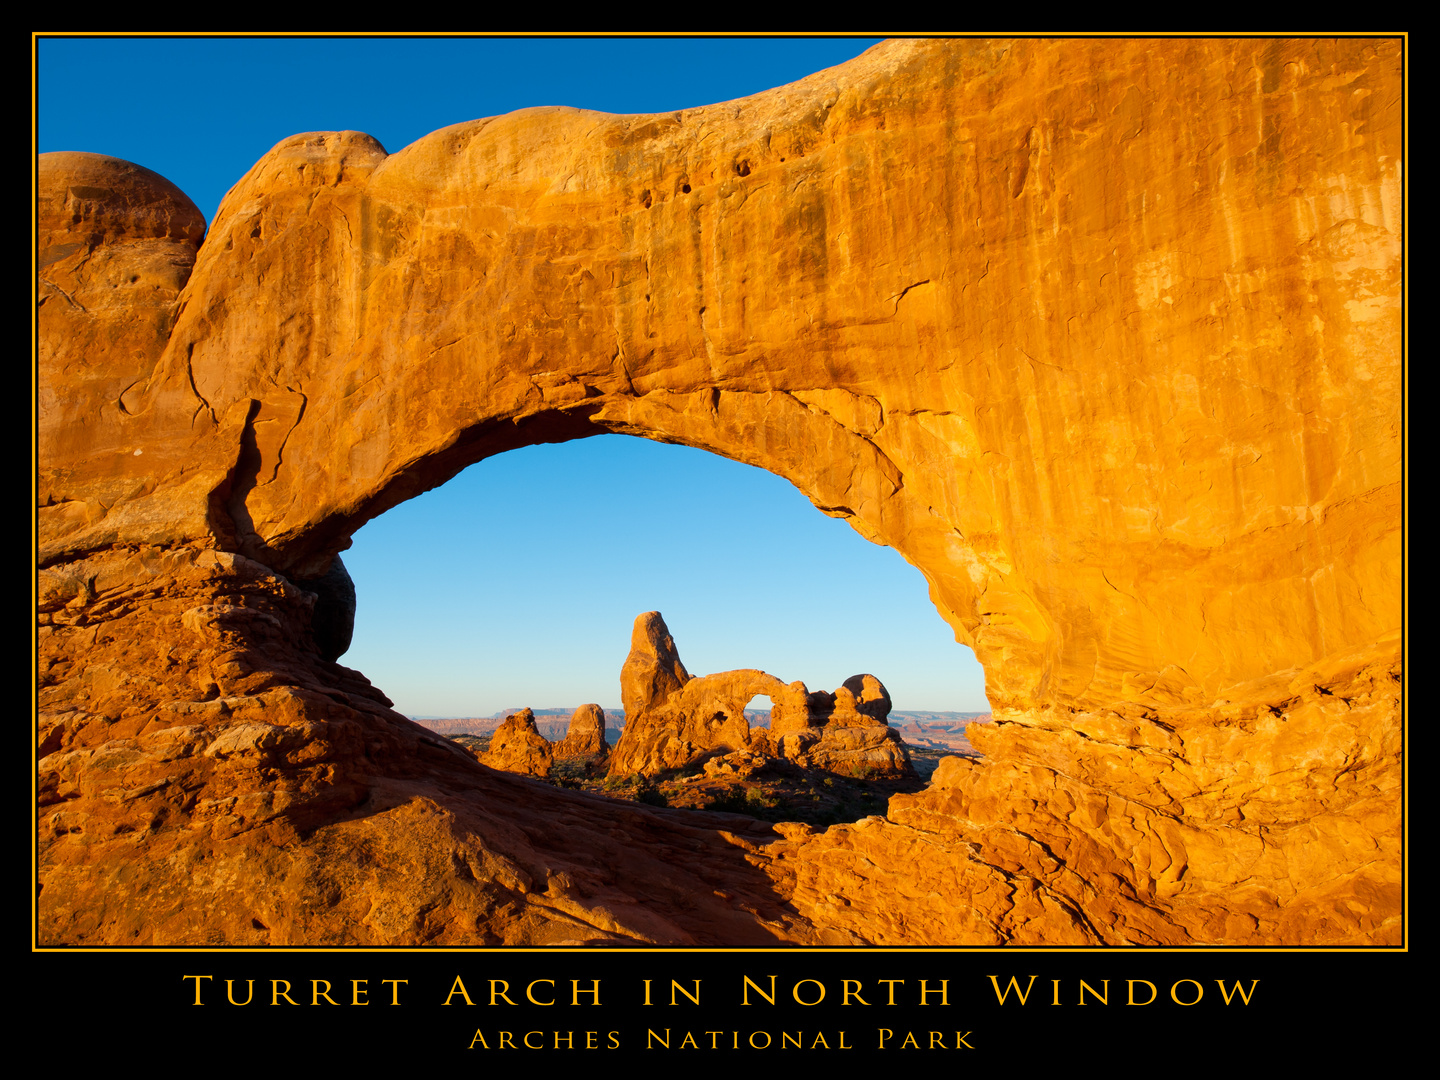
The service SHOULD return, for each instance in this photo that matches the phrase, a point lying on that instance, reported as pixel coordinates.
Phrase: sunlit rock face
(1103, 336)
(673, 726)
(517, 746)
(585, 735)
(673, 720)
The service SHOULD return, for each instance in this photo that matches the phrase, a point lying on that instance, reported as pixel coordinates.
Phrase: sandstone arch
(674, 721)
(1116, 366)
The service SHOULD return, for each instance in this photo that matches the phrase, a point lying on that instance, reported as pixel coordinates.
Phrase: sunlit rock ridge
(1103, 336)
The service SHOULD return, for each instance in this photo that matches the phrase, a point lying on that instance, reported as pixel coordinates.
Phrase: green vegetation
(775, 793)
(751, 801)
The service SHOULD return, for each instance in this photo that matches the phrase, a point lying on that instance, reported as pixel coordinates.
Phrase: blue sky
(517, 582)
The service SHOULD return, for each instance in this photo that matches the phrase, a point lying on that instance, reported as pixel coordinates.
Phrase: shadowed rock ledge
(1103, 336)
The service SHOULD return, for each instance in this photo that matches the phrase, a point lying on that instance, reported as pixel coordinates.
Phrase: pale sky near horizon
(517, 582)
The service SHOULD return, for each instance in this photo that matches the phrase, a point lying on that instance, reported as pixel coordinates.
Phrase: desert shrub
(570, 772)
(734, 801)
(752, 802)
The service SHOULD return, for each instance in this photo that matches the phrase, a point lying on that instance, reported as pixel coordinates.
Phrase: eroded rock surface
(1104, 336)
(674, 723)
(517, 746)
(585, 737)
(705, 716)
(653, 670)
(205, 778)
(845, 731)
(333, 621)
(671, 718)
(1140, 827)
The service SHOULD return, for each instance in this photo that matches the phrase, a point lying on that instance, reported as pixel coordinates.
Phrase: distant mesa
(940, 731)
(676, 721)
(554, 724)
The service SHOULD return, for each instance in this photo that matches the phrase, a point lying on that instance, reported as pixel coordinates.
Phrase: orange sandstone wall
(1103, 336)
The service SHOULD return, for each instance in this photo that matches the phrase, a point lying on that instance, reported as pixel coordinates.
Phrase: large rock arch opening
(1116, 366)
(523, 575)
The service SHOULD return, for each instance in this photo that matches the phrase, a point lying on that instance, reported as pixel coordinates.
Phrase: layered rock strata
(1103, 336)
(207, 779)
(1126, 826)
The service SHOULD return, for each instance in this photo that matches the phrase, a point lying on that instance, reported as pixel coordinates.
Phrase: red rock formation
(115, 245)
(205, 777)
(652, 670)
(860, 750)
(861, 701)
(586, 734)
(1139, 829)
(845, 732)
(1104, 336)
(705, 716)
(672, 719)
(518, 747)
(674, 724)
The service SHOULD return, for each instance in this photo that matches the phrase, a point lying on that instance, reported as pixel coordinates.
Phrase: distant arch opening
(757, 710)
